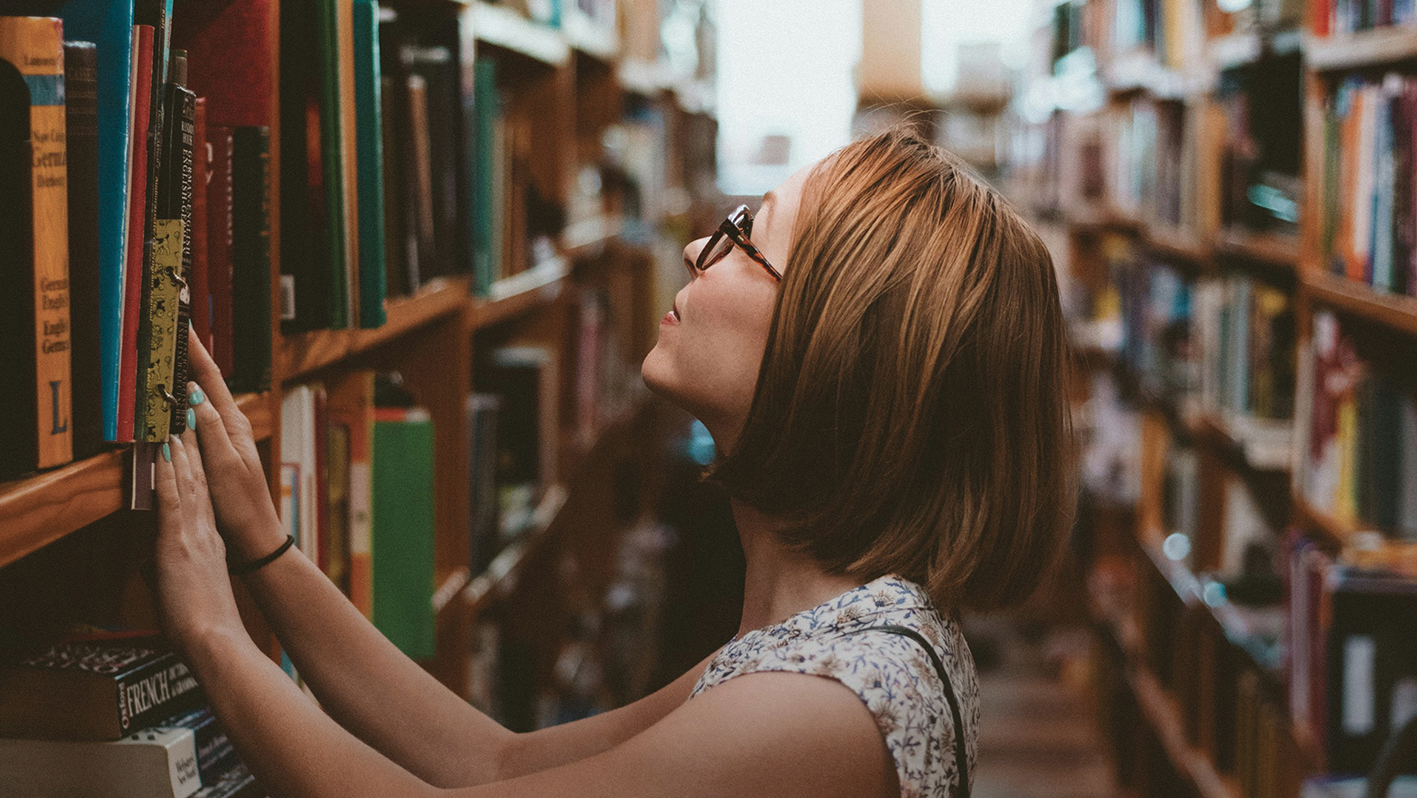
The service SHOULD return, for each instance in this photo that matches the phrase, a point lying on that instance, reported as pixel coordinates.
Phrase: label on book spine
(163, 289)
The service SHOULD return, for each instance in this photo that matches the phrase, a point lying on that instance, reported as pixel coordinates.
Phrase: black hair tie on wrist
(240, 570)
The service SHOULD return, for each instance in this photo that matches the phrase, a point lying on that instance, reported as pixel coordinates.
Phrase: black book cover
(81, 155)
(251, 258)
(18, 442)
(175, 201)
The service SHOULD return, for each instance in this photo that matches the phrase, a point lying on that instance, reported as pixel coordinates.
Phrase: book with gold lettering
(102, 689)
(34, 47)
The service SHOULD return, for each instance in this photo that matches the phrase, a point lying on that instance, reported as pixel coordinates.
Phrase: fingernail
(167, 450)
(194, 394)
(191, 418)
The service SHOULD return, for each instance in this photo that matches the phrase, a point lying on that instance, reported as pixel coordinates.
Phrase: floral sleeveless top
(891, 674)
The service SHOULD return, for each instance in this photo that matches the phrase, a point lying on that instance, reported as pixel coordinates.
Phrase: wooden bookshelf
(500, 26)
(1363, 50)
(1178, 245)
(36, 511)
(302, 354)
(1334, 531)
(1164, 716)
(1267, 248)
(1391, 310)
(514, 296)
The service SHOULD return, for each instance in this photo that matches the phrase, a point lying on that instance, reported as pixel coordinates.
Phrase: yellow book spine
(35, 45)
(162, 349)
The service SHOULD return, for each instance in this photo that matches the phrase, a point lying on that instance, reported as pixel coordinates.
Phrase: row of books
(1261, 105)
(112, 714)
(1339, 17)
(143, 208)
(1369, 224)
(1351, 669)
(1225, 343)
(1359, 461)
(1154, 167)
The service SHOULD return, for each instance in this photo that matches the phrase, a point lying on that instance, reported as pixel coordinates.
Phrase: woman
(879, 355)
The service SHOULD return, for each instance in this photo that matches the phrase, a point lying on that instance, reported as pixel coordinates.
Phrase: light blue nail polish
(191, 418)
(166, 452)
(195, 395)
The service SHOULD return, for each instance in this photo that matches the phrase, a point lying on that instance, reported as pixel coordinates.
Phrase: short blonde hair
(911, 411)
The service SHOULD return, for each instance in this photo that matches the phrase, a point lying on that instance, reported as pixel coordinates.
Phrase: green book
(403, 528)
(487, 254)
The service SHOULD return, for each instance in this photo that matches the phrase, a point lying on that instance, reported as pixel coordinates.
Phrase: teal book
(486, 109)
(403, 528)
(109, 24)
(369, 148)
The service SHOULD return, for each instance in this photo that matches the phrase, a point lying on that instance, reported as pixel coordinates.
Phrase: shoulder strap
(961, 754)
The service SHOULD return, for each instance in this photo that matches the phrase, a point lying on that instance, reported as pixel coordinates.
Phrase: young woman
(879, 354)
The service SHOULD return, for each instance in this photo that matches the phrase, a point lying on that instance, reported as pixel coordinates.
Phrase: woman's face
(711, 343)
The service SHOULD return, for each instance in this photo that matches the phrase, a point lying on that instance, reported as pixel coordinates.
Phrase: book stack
(105, 714)
(1369, 216)
(149, 213)
(1359, 461)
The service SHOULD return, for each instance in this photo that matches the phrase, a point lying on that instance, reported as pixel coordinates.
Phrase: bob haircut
(911, 411)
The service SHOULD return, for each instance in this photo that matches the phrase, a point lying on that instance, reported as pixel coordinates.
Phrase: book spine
(332, 166)
(200, 277)
(85, 266)
(17, 424)
(35, 46)
(215, 754)
(251, 259)
(163, 294)
(133, 258)
(182, 164)
(370, 159)
(403, 528)
(219, 242)
(150, 694)
(109, 23)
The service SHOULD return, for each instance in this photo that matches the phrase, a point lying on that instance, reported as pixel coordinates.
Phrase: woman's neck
(780, 582)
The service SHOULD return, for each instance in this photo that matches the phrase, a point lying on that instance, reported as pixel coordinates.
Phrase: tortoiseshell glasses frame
(734, 231)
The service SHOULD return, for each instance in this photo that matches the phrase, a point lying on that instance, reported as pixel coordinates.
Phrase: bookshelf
(568, 245)
(1224, 506)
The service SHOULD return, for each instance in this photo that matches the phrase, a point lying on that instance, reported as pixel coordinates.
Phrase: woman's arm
(362, 680)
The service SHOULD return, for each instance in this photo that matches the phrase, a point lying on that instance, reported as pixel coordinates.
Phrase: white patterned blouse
(891, 673)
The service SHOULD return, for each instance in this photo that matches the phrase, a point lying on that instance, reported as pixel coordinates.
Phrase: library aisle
(1038, 737)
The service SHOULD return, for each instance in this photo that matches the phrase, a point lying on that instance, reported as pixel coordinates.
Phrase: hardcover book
(86, 273)
(94, 690)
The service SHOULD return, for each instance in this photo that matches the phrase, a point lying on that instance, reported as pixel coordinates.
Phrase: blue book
(109, 24)
(369, 160)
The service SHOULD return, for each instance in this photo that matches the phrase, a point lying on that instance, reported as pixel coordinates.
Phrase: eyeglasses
(734, 231)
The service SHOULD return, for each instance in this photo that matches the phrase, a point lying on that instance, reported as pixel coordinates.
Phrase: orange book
(35, 47)
(350, 404)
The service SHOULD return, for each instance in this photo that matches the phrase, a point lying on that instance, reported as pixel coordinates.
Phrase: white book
(154, 763)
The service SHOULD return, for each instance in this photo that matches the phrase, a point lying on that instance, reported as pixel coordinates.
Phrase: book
(298, 434)
(160, 762)
(481, 410)
(199, 278)
(85, 265)
(17, 427)
(136, 229)
(219, 247)
(162, 292)
(350, 405)
(402, 528)
(368, 101)
(35, 47)
(175, 202)
(487, 256)
(251, 259)
(94, 690)
(109, 24)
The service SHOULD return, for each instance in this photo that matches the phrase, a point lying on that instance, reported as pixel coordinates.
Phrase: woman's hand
(240, 498)
(193, 589)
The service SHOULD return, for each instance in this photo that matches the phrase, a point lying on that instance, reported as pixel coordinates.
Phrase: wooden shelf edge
(1390, 310)
(1368, 48)
(598, 42)
(38, 510)
(502, 27)
(1165, 719)
(1316, 520)
(1270, 248)
(304, 353)
(515, 295)
(1177, 243)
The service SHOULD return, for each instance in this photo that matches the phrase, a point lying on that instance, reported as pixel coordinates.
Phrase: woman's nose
(691, 255)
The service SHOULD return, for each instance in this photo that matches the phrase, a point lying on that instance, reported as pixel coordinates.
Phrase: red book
(201, 173)
(137, 222)
(229, 59)
(219, 241)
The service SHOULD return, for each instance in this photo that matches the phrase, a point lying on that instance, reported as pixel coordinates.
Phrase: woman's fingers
(205, 372)
(193, 449)
(169, 499)
(182, 468)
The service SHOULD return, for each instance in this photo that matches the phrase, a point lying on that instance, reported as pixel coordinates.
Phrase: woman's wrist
(264, 539)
